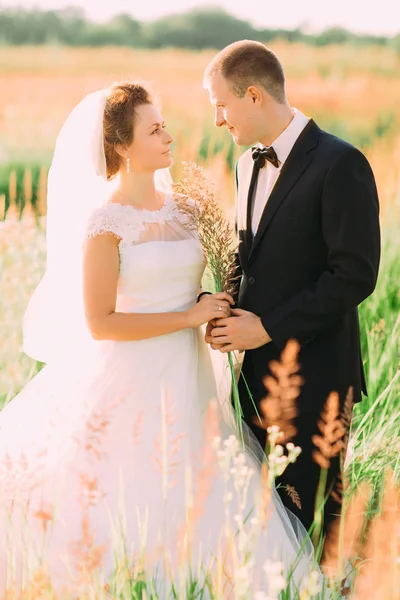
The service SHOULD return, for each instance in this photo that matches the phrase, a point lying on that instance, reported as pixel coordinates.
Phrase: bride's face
(151, 146)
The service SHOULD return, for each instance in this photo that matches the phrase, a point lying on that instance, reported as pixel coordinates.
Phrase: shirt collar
(284, 143)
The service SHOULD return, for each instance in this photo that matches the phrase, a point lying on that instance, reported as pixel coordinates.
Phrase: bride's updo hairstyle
(118, 122)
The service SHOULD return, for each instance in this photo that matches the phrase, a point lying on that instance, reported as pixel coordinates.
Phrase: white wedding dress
(112, 452)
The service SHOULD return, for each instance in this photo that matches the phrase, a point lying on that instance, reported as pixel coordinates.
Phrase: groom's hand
(242, 331)
(208, 337)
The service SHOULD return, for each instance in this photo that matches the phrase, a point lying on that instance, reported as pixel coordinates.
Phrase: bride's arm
(100, 280)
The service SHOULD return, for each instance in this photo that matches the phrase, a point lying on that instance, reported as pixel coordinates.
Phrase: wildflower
(275, 578)
(311, 586)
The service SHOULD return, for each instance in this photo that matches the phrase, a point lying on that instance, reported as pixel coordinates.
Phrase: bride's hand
(209, 307)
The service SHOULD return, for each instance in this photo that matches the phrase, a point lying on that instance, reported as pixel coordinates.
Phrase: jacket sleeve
(350, 228)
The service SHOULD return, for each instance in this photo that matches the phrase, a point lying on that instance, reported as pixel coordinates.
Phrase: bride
(114, 454)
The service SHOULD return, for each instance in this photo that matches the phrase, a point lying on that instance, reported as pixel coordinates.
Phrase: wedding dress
(122, 432)
(116, 451)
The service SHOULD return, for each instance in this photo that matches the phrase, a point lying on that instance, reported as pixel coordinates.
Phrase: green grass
(376, 422)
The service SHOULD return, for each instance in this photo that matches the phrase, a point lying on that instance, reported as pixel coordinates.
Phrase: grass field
(351, 92)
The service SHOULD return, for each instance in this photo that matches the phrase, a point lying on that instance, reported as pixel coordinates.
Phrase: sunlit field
(351, 92)
(354, 93)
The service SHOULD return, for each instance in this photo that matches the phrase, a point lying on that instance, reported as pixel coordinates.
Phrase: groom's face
(238, 115)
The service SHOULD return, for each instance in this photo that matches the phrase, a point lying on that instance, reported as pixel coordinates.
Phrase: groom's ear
(254, 93)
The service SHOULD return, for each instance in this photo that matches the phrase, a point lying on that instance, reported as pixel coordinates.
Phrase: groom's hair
(247, 63)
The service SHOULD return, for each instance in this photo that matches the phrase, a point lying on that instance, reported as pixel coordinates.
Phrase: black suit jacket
(314, 258)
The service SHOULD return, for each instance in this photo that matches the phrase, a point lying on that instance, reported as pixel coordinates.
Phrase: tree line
(197, 29)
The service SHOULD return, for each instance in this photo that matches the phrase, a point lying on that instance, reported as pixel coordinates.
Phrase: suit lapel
(244, 171)
(297, 162)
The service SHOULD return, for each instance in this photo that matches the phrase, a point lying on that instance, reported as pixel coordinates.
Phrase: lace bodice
(132, 225)
(161, 259)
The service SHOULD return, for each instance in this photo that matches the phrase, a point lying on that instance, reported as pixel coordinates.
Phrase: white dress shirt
(269, 174)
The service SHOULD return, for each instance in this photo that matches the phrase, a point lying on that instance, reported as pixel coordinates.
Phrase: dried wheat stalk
(195, 199)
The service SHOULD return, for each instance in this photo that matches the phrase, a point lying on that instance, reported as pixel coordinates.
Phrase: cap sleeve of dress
(118, 220)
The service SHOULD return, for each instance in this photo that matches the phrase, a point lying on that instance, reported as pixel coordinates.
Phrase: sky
(360, 16)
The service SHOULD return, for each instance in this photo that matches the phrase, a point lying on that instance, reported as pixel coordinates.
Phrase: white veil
(54, 323)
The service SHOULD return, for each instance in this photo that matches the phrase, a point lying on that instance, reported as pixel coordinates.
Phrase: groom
(309, 249)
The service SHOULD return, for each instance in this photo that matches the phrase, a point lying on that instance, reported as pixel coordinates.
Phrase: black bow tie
(260, 155)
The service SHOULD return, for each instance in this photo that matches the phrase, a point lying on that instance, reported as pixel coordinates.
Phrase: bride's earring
(128, 164)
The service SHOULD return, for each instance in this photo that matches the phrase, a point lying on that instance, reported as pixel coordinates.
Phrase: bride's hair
(118, 122)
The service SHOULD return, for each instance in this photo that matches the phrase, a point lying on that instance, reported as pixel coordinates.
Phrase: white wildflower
(279, 450)
(242, 581)
(294, 453)
(275, 578)
(273, 429)
(230, 442)
(272, 567)
(311, 584)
